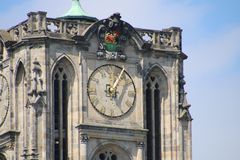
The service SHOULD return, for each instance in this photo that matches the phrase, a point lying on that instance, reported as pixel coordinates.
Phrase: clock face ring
(111, 90)
(4, 99)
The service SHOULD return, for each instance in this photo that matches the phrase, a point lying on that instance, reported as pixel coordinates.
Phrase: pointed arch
(156, 90)
(153, 67)
(20, 72)
(20, 111)
(20, 87)
(62, 80)
(67, 62)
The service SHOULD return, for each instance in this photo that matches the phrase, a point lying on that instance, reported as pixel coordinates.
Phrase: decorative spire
(76, 9)
(77, 13)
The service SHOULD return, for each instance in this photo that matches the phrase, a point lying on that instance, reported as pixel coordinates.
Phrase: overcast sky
(211, 33)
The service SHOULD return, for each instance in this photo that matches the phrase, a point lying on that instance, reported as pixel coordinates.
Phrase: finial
(77, 13)
(76, 9)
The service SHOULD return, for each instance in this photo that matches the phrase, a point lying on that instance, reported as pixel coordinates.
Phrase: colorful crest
(112, 35)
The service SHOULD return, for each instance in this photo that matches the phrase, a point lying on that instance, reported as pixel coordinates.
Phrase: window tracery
(62, 77)
(153, 94)
(107, 155)
(111, 152)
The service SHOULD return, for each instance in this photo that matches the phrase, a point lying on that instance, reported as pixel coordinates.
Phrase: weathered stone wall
(36, 52)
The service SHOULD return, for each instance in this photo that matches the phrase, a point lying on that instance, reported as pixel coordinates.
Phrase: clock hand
(117, 81)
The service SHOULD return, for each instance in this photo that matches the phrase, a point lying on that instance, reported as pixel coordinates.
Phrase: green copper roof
(77, 13)
(76, 9)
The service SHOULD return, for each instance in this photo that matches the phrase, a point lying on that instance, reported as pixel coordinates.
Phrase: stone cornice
(109, 132)
(7, 139)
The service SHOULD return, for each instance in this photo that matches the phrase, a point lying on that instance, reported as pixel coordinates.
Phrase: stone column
(33, 136)
(140, 151)
(83, 147)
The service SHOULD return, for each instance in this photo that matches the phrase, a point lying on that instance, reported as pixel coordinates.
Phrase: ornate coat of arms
(112, 35)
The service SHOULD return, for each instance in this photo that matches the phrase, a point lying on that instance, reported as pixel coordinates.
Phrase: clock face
(4, 99)
(111, 90)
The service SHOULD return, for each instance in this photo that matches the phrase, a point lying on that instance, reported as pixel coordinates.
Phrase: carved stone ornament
(113, 33)
(10, 145)
(36, 81)
(84, 138)
(140, 144)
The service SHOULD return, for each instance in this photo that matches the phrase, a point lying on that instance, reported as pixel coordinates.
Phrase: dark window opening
(157, 122)
(60, 100)
(56, 150)
(107, 155)
(149, 121)
(64, 102)
(153, 119)
(64, 116)
(56, 105)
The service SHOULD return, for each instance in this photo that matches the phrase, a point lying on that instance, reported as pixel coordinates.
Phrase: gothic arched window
(62, 77)
(153, 97)
(20, 103)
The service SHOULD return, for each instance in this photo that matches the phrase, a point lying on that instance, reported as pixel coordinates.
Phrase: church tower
(79, 88)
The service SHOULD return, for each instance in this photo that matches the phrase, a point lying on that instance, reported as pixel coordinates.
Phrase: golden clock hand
(117, 80)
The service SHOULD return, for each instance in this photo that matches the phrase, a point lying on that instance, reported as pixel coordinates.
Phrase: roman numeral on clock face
(110, 70)
(128, 103)
(92, 91)
(94, 79)
(102, 72)
(95, 101)
(102, 109)
(131, 93)
(112, 112)
(128, 82)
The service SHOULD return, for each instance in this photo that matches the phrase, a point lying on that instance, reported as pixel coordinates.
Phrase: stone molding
(7, 140)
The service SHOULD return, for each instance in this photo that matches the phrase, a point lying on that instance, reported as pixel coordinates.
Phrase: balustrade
(39, 24)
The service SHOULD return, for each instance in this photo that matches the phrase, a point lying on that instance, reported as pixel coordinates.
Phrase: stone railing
(19, 31)
(167, 38)
(66, 27)
(39, 25)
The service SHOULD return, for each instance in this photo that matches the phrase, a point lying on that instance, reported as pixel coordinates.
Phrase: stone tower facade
(87, 89)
